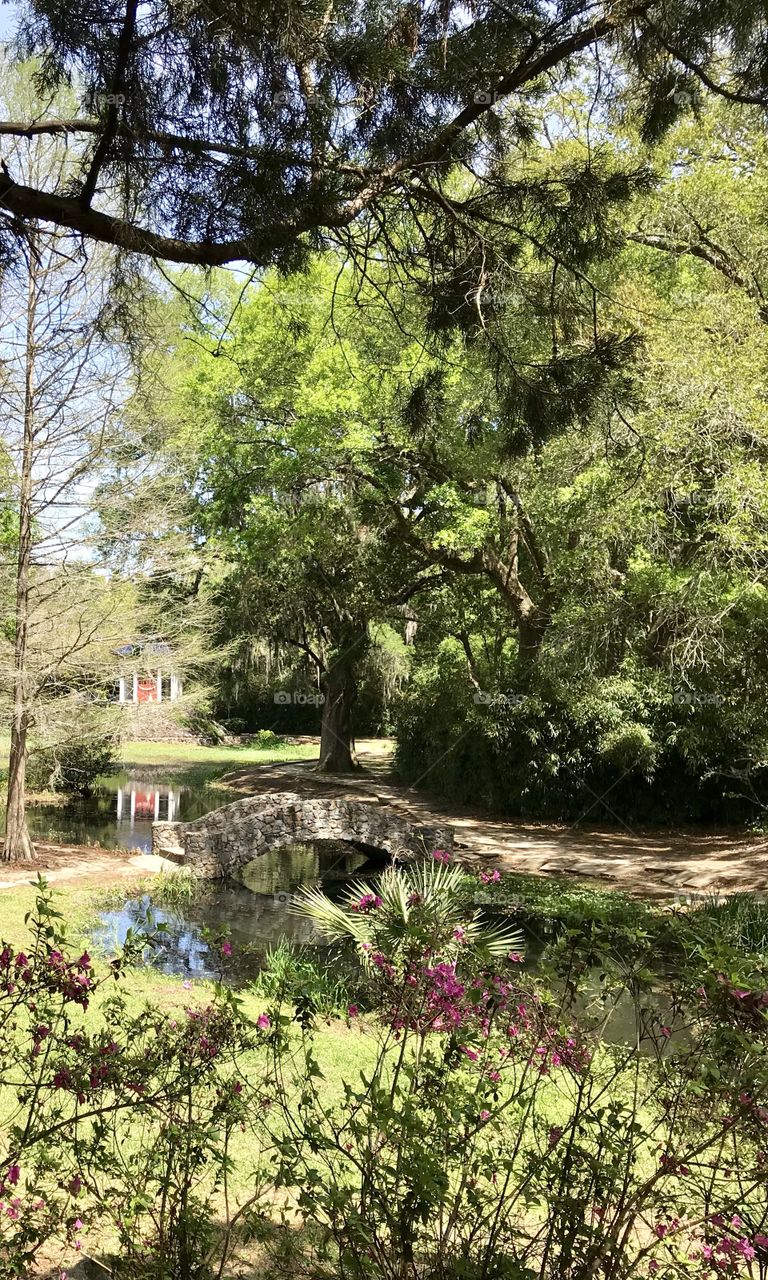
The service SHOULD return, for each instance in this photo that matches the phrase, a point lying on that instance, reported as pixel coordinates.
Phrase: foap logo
(689, 698)
(483, 698)
(282, 898)
(695, 898)
(686, 98)
(286, 698)
(103, 100)
(486, 97)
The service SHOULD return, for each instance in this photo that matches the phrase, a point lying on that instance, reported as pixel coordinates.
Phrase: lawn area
(194, 753)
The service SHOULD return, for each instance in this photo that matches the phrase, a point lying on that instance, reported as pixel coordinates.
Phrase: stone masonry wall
(223, 841)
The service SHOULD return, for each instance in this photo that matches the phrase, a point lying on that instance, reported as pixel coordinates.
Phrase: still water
(256, 914)
(120, 813)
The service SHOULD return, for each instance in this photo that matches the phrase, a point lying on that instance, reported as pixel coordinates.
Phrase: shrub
(120, 1118)
(296, 976)
(497, 1136)
(72, 767)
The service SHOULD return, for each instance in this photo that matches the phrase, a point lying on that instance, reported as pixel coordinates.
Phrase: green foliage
(424, 903)
(502, 1131)
(297, 976)
(73, 767)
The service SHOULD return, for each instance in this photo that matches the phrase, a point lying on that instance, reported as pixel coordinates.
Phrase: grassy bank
(228, 757)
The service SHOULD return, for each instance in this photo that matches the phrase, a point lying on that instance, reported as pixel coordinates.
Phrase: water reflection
(142, 802)
(119, 815)
(255, 914)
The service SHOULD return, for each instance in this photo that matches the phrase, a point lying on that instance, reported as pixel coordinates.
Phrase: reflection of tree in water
(102, 820)
(286, 870)
(256, 914)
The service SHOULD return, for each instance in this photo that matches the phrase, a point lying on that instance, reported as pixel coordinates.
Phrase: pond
(255, 913)
(120, 813)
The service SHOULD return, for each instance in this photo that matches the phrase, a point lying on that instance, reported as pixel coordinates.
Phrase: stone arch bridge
(225, 840)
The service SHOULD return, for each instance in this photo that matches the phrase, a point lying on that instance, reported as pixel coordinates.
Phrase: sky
(8, 13)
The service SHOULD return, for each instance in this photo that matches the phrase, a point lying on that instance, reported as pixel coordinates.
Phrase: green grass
(186, 764)
(192, 753)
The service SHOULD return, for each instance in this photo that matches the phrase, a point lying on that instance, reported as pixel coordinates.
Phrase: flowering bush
(499, 1128)
(111, 1116)
(498, 1134)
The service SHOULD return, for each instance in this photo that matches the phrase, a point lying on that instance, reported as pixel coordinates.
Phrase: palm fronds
(426, 895)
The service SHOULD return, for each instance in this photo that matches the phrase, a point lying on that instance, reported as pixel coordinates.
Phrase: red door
(147, 689)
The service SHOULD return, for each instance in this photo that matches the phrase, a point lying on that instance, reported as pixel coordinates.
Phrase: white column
(159, 686)
(133, 805)
(157, 803)
(178, 687)
(119, 803)
(171, 805)
(135, 686)
(122, 697)
(173, 688)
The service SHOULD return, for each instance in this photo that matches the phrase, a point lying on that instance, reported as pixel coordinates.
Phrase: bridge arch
(225, 840)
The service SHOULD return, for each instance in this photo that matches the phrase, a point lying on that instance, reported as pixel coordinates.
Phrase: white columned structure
(122, 695)
(159, 686)
(135, 686)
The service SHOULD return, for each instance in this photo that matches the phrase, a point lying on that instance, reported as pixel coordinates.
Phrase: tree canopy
(214, 133)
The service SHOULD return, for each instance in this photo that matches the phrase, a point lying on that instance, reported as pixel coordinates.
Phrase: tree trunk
(530, 635)
(337, 739)
(18, 846)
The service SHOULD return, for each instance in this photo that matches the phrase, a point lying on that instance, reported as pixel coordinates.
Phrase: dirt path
(90, 867)
(653, 863)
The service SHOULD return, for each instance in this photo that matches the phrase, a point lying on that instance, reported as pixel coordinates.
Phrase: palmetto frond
(330, 917)
(494, 941)
(430, 888)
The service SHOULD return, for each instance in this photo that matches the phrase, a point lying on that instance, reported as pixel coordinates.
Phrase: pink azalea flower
(13, 1174)
(262, 1022)
(226, 948)
(352, 1010)
(485, 1115)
